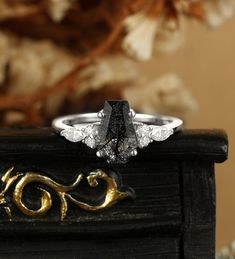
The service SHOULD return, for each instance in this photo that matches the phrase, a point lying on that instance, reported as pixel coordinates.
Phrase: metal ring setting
(116, 131)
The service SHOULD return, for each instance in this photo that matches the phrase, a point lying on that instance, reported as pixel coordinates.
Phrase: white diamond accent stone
(73, 135)
(90, 142)
(161, 133)
(91, 133)
(91, 130)
(143, 135)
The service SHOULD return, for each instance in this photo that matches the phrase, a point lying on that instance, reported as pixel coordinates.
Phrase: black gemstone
(117, 137)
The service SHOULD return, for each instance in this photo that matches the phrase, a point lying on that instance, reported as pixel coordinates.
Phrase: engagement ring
(116, 131)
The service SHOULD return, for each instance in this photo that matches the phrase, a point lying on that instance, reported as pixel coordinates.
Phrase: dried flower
(169, 40)
(34, 65)
(62, 60)
(164, 26)
(218, 11)
(165, 95)
(141, 32)
(108, 70)
(146, 33)
(58, 8)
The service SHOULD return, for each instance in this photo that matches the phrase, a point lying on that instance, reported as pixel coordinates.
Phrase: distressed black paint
(173, 215)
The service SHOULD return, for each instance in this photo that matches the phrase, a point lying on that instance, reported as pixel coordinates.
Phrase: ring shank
(67, 122)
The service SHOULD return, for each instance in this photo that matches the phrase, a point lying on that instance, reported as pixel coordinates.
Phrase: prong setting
(100, 114)
(132, 113)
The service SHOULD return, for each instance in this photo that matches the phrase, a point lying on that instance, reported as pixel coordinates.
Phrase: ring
(116, 131)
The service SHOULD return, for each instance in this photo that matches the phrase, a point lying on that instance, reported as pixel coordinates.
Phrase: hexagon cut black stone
(117, 137)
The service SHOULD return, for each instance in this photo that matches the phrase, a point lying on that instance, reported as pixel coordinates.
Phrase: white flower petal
(218, 11)
(58, 8)
(168, 41)
(141, 32)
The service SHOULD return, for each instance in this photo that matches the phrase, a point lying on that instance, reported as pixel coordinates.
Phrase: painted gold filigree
(112, 194)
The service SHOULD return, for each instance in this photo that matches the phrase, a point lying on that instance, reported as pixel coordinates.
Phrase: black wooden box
(159, 205)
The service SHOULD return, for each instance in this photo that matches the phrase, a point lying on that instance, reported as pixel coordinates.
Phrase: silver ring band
(116, 131)
(67, 122)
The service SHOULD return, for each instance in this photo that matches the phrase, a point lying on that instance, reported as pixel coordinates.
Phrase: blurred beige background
(206, 64)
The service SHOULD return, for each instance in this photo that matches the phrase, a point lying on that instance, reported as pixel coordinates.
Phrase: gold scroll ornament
(112, 195)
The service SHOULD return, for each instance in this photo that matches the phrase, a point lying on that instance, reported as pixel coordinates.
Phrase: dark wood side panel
(198, 199)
